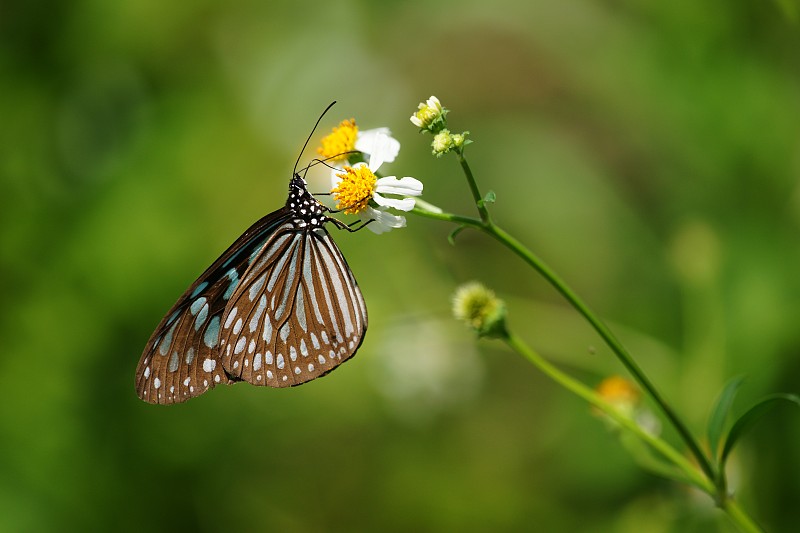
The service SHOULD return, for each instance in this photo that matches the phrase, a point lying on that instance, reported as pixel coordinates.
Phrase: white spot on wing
(173, 362)
(209, 365)
(240, 345)
(267, 334)
(211, 336)
(262, 304)
(231, 316)
(257, 286)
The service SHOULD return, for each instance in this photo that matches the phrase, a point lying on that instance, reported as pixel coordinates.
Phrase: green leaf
(719, 414)
(452, 237)
(748, 419)
(489, 198)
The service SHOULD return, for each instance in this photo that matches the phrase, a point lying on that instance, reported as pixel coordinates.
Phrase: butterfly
(279, 307)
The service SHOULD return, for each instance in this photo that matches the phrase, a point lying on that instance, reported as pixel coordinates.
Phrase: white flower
(355, 187)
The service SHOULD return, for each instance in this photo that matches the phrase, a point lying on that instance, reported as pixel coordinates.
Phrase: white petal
(379, 145)
(365, 141)
(369, 133)
(403, 204)
(382, 221)
(407, 186)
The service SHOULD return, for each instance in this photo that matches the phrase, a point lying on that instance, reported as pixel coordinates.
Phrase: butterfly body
(279, 307)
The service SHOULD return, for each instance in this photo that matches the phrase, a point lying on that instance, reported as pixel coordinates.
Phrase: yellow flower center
(355, 190)
(342, 139)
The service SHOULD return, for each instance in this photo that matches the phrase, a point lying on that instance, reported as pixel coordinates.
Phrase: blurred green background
(649, 153)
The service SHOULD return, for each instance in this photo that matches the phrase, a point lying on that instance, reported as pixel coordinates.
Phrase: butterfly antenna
(317, 161)
(310, 135)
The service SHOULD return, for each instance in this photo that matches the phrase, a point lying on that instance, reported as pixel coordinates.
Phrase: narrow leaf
(749, 418)
(719, 414)
(452, 237)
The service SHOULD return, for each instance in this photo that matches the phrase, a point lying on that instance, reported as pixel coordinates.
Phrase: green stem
(590, 396)
(610, 339)
(742, 519)
(473, 187)
(731, 507)
(616, 346)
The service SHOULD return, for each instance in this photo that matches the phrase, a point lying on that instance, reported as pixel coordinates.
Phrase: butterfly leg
(353, 226)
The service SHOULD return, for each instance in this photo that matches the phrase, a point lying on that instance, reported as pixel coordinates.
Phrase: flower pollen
(356, 189)
(341, 140)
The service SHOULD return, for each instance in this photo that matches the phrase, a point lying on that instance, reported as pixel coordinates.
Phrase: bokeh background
(650, 153)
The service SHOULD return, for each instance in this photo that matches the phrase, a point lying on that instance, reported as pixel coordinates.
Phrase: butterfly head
(303, 205)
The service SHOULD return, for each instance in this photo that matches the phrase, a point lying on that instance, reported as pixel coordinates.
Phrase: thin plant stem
(473, 187)
(728, 505)
(739, 517)
(616, 346)
(693, 476)
(610, 339)
(571, 384)
(487, 225)
(713, 482)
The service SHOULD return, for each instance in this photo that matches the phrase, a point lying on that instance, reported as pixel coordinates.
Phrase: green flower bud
(480, 309)
(442, 143)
